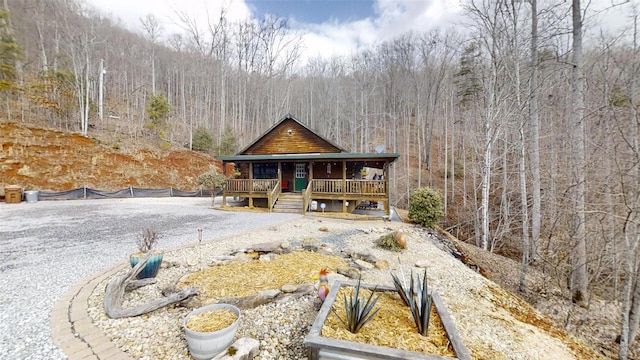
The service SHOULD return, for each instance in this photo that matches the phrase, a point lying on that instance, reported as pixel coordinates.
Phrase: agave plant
(358, 312)
(417, 297)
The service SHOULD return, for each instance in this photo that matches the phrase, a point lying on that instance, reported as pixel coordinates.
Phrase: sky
(329, 27)
(340, 27)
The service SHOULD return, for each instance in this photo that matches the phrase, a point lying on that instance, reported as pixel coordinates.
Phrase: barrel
(31, 196)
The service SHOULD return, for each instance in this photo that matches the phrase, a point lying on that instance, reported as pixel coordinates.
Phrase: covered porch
(314, 182)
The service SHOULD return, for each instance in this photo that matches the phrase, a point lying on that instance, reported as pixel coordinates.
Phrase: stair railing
(273, 195)
(306, 197)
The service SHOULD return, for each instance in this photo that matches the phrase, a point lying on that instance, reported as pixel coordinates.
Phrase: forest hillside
(527, 123)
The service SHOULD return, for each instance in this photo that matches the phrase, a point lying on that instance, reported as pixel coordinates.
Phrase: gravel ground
(48, 246)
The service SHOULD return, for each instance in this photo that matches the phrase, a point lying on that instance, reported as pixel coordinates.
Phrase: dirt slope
(42, 159)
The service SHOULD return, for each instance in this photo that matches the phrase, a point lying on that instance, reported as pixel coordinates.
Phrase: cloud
(392, 18)
(203, 11)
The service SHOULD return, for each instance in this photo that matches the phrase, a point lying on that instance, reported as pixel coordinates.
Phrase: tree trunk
(535, 136)
(579, 279)
(631, 294)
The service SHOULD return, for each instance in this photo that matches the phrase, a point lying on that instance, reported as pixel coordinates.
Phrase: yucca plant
(417, 297)
(358, 312)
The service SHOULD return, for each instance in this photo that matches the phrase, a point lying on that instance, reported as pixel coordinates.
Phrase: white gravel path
(48, 246)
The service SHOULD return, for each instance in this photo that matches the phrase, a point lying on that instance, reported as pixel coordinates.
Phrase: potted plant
(146, 243)
(328, 337)
(210, 329)
(363, 171)
(235, 172)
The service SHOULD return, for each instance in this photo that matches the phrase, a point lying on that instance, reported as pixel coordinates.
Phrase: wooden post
(250, 185)
(344, 186)
(387, 204)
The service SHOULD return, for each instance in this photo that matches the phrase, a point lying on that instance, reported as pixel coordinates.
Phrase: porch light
(289, 131)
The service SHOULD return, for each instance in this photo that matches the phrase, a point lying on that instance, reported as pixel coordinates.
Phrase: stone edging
(72, 329)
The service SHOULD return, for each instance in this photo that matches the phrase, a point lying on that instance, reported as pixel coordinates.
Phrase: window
(301, 171)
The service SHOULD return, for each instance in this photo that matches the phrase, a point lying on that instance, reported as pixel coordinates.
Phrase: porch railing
(359, 187)
(271, 187)
(251, 186)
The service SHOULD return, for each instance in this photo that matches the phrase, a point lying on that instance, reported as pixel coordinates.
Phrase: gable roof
(285, 137)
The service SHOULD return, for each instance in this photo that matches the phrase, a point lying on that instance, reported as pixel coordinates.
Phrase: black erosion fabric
(87, 193)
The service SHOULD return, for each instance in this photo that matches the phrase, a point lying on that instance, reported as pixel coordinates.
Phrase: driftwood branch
(134, 284)
(114, 294)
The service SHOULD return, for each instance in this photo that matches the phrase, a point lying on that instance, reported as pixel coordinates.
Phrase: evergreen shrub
(425, 207)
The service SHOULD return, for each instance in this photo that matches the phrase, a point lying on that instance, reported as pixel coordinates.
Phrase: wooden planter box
(320, 347)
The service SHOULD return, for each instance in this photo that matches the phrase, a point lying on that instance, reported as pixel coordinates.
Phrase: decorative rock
(348, 272)
(364, 254)
(401, 240)
(169, 264)
(289, 288)
(268, 257)
(422, 264)
(326, 251)
(381, 264)
(310, 243)
(363, 265)
(245, 349)
(305, 289)
(251, 301)
(221, 260)
(267, 247)
(302, 290)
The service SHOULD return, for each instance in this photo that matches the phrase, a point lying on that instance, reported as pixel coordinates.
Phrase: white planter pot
(206, 345)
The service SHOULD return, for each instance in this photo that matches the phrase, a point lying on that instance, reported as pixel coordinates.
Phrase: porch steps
(288, 203)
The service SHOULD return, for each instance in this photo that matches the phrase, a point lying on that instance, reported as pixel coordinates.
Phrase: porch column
(344, 186)
(250, 185)
(387, 206)
(224, 171)
(280, 173)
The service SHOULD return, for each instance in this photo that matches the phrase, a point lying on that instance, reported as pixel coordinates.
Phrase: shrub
(389, 241)
(147, 240)
(425, 207)
(202, 140)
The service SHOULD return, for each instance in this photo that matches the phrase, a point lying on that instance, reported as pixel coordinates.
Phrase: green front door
(301, 177)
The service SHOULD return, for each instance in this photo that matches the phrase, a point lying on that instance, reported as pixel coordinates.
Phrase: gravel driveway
(48, 246)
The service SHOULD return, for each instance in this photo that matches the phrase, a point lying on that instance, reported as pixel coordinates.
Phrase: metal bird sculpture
(323, 286)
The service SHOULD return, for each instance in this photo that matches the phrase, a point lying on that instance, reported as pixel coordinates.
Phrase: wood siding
(289, 137)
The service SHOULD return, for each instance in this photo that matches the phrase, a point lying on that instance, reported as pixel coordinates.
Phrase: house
(292, 168)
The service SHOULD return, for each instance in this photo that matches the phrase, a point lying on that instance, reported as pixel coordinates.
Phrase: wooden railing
(270, 188)
(237, 185)
(252, 186)
(306, 198)
(272, 196)
(359, 187)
